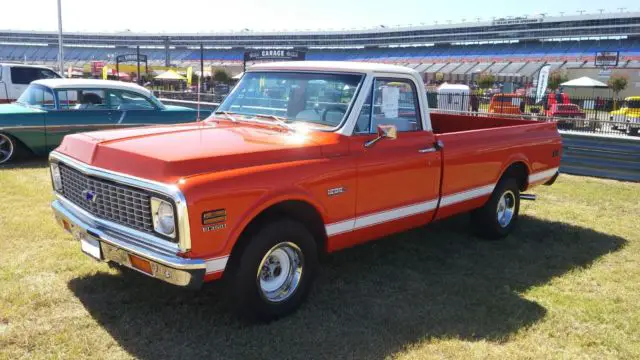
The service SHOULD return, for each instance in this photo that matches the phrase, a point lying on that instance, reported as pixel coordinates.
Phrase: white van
(14, 79)
(453, 97)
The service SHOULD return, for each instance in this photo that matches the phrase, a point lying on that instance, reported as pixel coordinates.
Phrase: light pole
(60, 51)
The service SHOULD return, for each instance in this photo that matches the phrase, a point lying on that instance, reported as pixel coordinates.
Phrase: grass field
(566, 285)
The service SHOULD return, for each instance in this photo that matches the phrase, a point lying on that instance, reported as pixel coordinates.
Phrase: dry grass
(565, 285)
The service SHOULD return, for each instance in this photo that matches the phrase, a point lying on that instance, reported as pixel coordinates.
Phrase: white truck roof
(334, 66)
(454, 87)
(91, 83)
(16, 64)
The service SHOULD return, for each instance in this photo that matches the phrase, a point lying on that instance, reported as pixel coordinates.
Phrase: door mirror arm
(384, 132)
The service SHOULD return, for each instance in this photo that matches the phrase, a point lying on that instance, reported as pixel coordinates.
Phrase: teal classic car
(51, 108)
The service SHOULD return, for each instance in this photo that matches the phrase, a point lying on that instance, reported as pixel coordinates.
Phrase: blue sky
(216, 15)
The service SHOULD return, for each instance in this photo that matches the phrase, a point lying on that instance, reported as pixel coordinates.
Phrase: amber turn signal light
(140, 264)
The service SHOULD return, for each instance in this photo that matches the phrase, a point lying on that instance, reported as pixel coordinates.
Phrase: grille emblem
(89, 195)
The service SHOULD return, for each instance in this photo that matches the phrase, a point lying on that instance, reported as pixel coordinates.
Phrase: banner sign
(543, 81)
(607, 58)
(274, 55)
(131, 57)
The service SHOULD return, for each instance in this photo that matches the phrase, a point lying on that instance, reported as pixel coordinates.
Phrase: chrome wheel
(506, 208)
(6, 148)
(280, 271)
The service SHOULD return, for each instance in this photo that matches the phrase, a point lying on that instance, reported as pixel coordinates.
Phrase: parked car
(52, 108)
(563, 112)
(628, 115)
(256, 193)
(506, 104)
(15, 78)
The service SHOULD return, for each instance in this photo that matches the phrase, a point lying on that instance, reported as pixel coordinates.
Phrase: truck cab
(345, 153)
(15, 78)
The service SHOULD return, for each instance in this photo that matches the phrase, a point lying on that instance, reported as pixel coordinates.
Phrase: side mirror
(384, 132)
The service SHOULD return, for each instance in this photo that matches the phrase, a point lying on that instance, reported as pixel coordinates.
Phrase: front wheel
(497, 218)
(275, 271)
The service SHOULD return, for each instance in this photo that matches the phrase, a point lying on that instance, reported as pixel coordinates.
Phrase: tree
(617, 83)
(486, 80)
(556, 78)
(221, 76)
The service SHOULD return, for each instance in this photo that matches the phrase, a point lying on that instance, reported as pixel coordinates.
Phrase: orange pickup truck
(300, 159)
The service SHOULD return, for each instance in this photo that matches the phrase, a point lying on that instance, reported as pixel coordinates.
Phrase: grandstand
(511, 48)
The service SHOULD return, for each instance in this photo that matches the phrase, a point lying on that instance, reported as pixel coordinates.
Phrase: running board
(530, 197)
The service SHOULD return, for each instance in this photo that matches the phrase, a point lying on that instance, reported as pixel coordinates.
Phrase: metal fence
(577, 114)
(601, 156)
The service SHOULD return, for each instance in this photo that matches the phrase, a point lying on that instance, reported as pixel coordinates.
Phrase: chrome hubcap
(506, 208)
(280, 271)
(6, 148)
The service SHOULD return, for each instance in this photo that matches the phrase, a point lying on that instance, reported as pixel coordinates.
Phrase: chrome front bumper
(119, 246)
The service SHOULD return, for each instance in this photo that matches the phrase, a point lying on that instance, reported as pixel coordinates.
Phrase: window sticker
(390, 102)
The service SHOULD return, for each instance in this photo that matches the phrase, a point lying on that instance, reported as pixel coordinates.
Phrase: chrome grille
(114, 202)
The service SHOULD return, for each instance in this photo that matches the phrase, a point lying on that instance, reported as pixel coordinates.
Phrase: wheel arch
(299, 210)
(519, 170)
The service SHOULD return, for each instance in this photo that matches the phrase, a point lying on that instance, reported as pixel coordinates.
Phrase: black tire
(10, 149)
(486, 220)
(633, 131)
(248, 299)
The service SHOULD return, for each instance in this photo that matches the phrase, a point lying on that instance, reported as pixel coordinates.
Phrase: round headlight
(163, 217)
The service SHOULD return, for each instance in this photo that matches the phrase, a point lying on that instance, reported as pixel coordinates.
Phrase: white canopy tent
(584, 82)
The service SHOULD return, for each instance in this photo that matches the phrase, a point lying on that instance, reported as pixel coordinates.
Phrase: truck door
(398, 180)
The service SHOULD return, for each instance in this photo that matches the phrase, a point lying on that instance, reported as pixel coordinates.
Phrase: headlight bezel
(156, 203)
(56, 178)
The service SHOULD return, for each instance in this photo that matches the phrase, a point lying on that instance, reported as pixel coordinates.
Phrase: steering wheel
(332, 108)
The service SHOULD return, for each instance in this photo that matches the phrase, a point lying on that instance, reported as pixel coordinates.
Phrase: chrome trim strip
(542, 175)
(123, 241)
(184, 241)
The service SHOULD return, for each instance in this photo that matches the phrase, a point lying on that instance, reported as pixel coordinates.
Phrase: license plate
(91, 247)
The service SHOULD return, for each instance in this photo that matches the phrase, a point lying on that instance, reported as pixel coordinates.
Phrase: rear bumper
(120, 248)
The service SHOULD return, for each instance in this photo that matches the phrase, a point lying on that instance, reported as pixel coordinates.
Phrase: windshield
(320, 99)
(632, 104)
(37, 96)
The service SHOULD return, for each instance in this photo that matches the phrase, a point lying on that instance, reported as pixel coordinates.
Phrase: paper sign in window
(390, 99)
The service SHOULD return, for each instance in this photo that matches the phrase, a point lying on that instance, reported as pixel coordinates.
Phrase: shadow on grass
(369, 302)
(30, 163)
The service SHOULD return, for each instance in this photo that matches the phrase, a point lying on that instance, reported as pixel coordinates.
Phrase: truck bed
(477, 149)
(451, 123)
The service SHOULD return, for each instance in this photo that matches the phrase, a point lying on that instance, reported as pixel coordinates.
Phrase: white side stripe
(340, 227)
(542, 175)
(404, 211)
(217, 264)
(395, 214)
(466, 195)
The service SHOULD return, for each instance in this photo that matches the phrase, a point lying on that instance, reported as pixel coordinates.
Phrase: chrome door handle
(428, 150)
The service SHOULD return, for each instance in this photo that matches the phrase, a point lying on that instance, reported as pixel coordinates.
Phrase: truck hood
(17, 109)
(169, 153)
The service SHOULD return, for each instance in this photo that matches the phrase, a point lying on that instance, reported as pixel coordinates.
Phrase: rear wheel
(8, 148)
(497, 218)
(275, 271)
(633, 131)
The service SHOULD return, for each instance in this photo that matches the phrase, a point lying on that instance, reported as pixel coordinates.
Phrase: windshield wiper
(279, 120)
(227, 114)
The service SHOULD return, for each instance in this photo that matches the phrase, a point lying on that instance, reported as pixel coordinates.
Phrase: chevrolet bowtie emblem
(89, 195)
